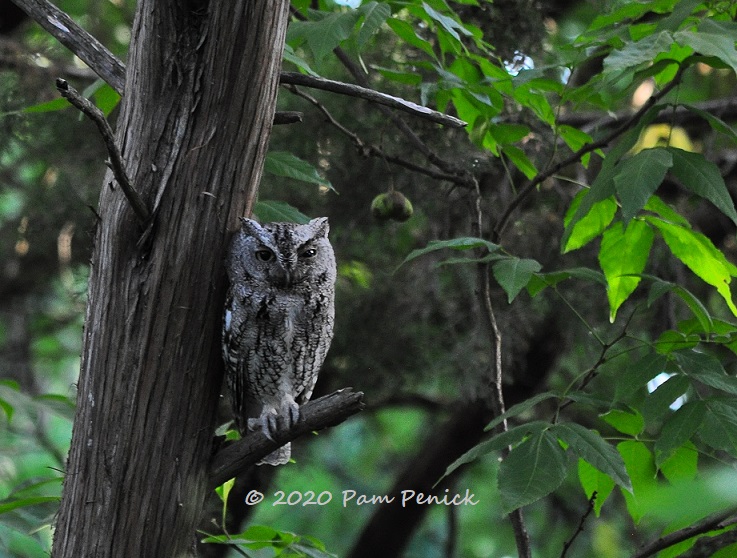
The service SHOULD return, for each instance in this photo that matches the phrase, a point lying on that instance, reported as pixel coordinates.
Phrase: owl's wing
(319, 335)
(235, 373)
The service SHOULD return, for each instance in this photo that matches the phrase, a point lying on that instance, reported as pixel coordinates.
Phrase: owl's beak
(285, 276)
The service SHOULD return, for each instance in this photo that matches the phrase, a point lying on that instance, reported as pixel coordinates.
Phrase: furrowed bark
(198, 109)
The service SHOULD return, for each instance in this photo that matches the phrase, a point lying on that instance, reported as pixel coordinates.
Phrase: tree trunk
(200, 97)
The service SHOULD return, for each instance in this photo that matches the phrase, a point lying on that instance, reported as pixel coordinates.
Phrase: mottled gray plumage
(278, 322)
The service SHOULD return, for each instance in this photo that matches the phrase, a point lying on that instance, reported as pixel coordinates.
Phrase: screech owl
(278, 322)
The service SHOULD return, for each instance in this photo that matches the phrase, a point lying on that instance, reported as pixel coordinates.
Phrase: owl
(278, 322)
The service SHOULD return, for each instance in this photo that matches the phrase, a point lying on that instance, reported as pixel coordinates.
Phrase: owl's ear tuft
(320, 227)
(251, 227)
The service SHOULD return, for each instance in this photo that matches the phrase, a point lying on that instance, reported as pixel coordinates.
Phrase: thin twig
(461, 174)
(294, 78)
(116, 160)
(368, 149)
(588, 148)
(521, 536)
(581, 524)
(713, 523)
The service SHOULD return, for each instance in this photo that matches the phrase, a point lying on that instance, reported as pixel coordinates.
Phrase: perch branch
(329, 410)
(65, 30)
(588, 148)
(294, 78)
(713, 523)
(116, 160)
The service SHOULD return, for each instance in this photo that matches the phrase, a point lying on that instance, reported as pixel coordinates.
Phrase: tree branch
(712, 523)
(326, 411)
(294, 78)
(368, 149)
(567, 545)
(65, 30)
(116, 160)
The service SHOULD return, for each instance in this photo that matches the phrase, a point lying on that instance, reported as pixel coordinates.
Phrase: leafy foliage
(641, 398)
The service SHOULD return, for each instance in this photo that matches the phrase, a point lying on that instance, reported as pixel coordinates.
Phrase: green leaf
(642, 473)
(450, 25)
(603, 186)
(520, 160)
(520, 408)
(700, 256)
(513, 274)
(643, 51)
(324, 35)
(631, 424)
(635, 377)
(49, 106)
(706, 369)
(59, 404)
(407, 33)
(678, 429)
(697, 307)
(710, 44)
(106, 98)
(283, 163)
(593, 480)
(7, 408)
(408, 78)
(592, 448)
(659, 207)
(291, 56)
(268, 211)
(592, 224)
(531, 471)
(542, 280)
(375, 14)
(623, 255)
(464, 243)
(702, 177)
(223, 491)
(719, 428)
(7, 506)
(658, 403)
(717, 124)
(682, 465)
(496, 443)
(638, 177)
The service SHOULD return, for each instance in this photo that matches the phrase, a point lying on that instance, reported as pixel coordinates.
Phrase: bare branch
(65, 30)
(371, 150)
(581, 523)
(712, 523)
(329, 410)
(116, 160)
(294, 78)
(521, 536)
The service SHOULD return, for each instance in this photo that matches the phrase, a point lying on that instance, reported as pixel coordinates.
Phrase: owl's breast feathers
(275, 342)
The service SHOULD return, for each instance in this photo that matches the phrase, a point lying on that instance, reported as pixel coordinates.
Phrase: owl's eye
(309, 253)
(264, 255)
